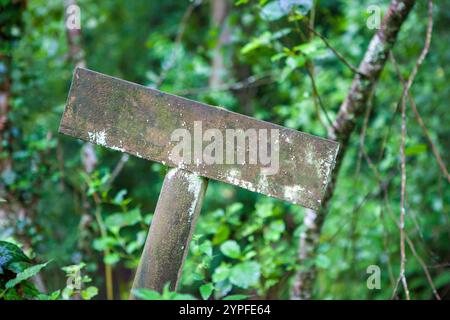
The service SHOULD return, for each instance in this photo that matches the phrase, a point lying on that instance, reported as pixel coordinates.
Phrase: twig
(336, 53)
(317, 95)
(179, 37)
(384, 187)
(117, 169)
(362, 136)
(421, 122)
(403, 143)
(402, 203)
(252, 81)
(103, 232)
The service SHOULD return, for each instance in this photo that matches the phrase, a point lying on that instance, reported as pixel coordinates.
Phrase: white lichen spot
(293, 193)
(233, 176)
(171, 173)
(287, 138)
(98, 137)
(194, 187)
(118, 148)
(263, 184)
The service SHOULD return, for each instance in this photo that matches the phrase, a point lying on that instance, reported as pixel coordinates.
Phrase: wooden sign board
(147, 123)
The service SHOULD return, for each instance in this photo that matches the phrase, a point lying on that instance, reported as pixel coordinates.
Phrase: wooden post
(171, 230)
(130, 118)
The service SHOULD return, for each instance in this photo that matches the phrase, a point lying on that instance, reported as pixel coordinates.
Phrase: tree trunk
(77, 56)
(350, 111)
(219, 13)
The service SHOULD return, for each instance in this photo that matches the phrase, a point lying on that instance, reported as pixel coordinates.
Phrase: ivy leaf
(245, 274)
(206, 290)
(231, 249)
(26, 274)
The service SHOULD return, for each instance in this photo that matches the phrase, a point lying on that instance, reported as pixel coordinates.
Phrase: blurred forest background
(81, 213)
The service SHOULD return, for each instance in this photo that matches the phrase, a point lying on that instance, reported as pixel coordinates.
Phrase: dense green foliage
(245, 245)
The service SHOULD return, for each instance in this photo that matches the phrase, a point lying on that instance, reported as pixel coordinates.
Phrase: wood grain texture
(171, 230)
(138, 120)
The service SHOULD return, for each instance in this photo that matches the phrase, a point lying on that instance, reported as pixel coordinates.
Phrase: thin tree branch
(419, 118)
(178, 39)
(336, 53)
(406, 88)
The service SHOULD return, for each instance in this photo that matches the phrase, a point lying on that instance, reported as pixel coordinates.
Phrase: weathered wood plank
(171, 230)
(138, 120)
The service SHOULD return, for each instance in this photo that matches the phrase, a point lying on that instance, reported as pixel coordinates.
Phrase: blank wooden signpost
(141, 121)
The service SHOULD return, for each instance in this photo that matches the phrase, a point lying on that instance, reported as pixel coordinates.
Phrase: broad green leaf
(301, 6)
(245, 274)
(123, 219)
(273, 11)
(231, 249)
(221, 273)
(322, 261)
(112, 258)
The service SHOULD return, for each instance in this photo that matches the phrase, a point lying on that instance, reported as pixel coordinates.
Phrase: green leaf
(118, 199)
(120, 220)
(53, 296)
(274, 231)
(18, 267)
(26, 274)
(10, 253)
(103, 243)
(245, 274)
(236, 297)
(301, 6)
(416, 149)
(322, 261)
(273, 11)
(231, 249)
(146, 294)
(206, 248)
(222, 234)
(111, 258)
(221, 273)
(261, 41)
(89, 293)
(206, 290)
(183, 296)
